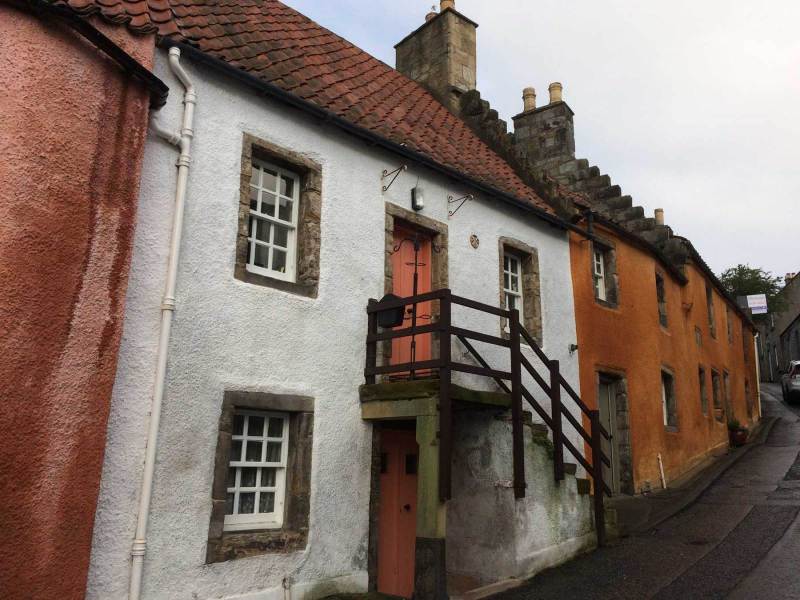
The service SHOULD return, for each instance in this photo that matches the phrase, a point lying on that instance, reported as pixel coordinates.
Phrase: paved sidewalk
(637, 514)
(737, 539)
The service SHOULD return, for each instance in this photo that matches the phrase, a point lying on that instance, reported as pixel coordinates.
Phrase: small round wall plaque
(474, 241)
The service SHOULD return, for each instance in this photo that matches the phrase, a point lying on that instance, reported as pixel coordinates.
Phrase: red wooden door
(403, 286)
(397, 519)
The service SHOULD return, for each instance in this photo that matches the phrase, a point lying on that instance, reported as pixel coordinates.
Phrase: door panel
(397, 519)
(607, 404)
(403, 286)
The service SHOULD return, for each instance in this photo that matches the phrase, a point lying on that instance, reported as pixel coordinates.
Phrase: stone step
(638, 225)
(598, 182)
(583, 163)
(584, 486)
(594, 171)
(613, 191)
(540, 430)
(571, 167)
(619, 203)
(628, 214)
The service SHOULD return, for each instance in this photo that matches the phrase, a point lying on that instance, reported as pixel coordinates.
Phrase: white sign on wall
(757, 304)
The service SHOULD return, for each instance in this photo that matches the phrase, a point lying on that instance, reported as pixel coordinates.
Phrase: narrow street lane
(741, 539)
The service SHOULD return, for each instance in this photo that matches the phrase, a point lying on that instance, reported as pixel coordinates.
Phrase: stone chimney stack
(556, 92)
(659, 215)
(529, 99)
(442, 54)
(545, 136)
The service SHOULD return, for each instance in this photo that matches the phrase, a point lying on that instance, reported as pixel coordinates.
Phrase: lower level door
(397, 520)
(608, 419)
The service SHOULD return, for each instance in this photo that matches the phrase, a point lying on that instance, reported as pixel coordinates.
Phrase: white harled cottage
(299, 449)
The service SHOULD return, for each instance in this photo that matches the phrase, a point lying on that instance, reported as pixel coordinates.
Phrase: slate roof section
(280, 46)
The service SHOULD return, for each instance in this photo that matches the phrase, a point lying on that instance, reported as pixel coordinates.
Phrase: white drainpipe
(184, 142)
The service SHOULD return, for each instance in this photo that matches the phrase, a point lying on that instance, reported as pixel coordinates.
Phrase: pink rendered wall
(72, 130)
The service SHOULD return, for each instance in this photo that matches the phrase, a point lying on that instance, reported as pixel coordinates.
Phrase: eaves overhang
(276, 93)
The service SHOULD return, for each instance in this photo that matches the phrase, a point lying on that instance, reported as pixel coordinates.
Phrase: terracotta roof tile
(277, 44)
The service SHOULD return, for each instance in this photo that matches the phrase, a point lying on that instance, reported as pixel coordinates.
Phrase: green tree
(744, 280)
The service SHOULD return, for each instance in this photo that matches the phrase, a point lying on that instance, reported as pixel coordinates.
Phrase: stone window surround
(717, 395)
(293, 536)
(531, 286)
(611, 278)
(702, 375)
(439, 260)
(712, 320)
(661, 298)
(307, 265)
(624, 445)
(666, 370)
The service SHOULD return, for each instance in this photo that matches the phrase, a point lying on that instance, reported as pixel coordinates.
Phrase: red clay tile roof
(279, 45)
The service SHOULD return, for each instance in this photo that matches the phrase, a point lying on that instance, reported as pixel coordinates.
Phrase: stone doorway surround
(623, 434)
(439, 278)
(416, 402)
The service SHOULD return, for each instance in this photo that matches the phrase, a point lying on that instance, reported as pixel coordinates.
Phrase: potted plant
(736, 433)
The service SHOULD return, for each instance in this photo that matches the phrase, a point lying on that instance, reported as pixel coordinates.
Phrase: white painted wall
(231, 335)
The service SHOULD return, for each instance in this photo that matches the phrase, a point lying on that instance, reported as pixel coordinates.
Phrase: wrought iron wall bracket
(396, 174)
(463, 200)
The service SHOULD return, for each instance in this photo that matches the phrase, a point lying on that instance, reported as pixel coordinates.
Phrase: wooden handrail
(481, 337)
(480, 306)
(400, 302)
(471, 349)
(472, 369)
(393, 334)
(422, 365)
(535, 374)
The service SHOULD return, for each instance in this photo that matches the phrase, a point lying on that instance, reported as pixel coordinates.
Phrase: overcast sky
(691, 105)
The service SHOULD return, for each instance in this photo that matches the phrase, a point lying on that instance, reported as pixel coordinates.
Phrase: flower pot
(738, 437)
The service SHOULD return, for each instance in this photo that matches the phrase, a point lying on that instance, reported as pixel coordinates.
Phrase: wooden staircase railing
(551, 384)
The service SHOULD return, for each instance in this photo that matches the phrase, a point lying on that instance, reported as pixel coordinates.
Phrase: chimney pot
(529, 98)
(556, 90)
(445, 4)
(659, 214)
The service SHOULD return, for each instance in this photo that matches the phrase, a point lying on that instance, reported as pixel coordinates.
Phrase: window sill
(239, 544)
(606, 304)
(242, 274)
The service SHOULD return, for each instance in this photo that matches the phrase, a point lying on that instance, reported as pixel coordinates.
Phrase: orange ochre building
(663, 353)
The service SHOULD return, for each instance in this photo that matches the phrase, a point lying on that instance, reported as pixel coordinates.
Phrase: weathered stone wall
(545, 136)
(491, 536)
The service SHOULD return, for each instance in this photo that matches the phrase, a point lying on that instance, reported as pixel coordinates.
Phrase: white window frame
(256, 180)
(508, 257)
(273, 520)
(599, 274)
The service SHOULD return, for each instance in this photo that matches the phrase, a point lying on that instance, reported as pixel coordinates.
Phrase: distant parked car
(790, 382)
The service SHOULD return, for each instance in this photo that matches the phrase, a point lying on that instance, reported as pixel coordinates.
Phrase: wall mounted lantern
(417, 198)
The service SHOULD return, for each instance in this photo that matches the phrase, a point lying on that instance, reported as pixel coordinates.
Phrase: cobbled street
(740, 540)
